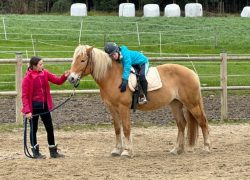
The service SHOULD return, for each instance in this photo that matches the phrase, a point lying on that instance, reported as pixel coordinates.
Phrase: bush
(61, 6)
(4, 7)
(14, 6)
(106, 5)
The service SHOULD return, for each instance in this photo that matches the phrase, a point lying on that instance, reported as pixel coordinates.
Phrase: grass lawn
(57, 36)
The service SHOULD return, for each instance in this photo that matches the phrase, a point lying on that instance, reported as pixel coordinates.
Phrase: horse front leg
(124, 113)
(118, 129)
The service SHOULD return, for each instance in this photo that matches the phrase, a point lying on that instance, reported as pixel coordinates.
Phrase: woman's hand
(66, 73)
(28, 116)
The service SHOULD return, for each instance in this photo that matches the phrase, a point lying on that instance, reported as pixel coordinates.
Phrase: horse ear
(89, 50)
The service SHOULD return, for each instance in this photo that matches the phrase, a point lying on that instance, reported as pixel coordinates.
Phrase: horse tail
(195, 117)
(192, 129)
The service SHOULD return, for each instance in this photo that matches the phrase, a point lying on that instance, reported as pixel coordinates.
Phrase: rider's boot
(144, 98)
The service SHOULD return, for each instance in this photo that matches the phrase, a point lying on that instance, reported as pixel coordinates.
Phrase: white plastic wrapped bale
(78, 9)
(193, 10)
(172, 10)
(151, 10)
(245, 12)
(127, 10)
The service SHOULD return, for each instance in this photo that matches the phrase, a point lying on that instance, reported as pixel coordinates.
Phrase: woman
(36, 99)
(130, 58)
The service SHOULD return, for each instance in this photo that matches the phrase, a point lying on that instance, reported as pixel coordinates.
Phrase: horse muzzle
(74, 79)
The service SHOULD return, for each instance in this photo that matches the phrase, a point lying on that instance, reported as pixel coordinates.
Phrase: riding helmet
(111, 48)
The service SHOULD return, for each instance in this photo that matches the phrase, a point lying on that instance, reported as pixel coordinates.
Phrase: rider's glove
(123, 85)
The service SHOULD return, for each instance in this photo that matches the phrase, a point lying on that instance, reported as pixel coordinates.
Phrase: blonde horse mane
(101, 61)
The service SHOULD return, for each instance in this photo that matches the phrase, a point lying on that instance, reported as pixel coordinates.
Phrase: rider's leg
(143, 81)
(144, 85)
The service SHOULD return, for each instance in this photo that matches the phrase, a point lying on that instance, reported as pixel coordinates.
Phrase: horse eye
(82, 60)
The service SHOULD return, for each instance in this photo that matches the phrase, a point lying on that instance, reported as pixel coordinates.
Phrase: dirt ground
(88, 151)
(89, 109)
(88, 155)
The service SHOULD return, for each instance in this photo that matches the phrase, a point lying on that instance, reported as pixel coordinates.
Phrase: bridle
(89, 64)
(83, 72)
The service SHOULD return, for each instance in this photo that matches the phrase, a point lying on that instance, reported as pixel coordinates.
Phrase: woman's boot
(53, 152)
(36, 153)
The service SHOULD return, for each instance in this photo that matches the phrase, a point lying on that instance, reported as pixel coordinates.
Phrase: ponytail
(33, 62)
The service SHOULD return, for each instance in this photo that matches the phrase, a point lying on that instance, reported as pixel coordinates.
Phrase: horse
(180, 90)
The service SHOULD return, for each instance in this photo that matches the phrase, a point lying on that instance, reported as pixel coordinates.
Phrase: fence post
(138, 34)
(160, 43)
(223, 84)
(19, 75)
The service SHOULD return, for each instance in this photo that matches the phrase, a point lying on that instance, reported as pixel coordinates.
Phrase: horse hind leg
(197, 113)
(177, 111)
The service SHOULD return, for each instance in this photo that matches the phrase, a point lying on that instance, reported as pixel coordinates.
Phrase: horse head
(81, 64)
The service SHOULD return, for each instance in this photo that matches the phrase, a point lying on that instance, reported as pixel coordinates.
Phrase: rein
(26, 149)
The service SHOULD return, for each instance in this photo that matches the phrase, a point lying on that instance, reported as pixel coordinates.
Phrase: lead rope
(26, 149)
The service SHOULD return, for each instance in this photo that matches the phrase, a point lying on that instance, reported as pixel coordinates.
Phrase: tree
(106, 5)
(40, 6)
(48, 5)
(89, 3)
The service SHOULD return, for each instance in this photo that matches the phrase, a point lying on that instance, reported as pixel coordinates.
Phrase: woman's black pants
(47, 121)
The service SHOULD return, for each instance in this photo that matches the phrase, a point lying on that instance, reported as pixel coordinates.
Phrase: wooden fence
(223, 57)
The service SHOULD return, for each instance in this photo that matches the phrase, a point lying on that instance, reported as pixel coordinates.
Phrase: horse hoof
(125, 153)
(173, 151)
(176, 151)
(116, 152)
(206, 149)
(191, 150)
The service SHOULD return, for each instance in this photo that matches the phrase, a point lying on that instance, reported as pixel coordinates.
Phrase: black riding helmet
(110, 48)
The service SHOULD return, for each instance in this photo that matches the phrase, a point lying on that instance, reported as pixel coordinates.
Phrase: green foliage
(22, 6)
(10, 127)
(150, 2)
(61, 6)
(57, 36)
(106, 5)
(3, 7)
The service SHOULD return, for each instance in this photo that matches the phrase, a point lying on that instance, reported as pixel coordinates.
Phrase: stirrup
(143, 100)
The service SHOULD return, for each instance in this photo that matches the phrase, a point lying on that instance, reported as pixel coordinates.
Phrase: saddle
(153, 79)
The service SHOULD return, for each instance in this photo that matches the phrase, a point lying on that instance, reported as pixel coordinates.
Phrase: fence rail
(223, 57)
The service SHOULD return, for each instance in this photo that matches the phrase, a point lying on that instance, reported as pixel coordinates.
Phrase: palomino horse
(180, 90)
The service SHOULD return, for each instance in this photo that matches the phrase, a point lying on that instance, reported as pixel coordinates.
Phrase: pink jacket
(27, 88)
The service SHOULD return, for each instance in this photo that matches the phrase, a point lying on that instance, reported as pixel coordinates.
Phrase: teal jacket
(130, 58)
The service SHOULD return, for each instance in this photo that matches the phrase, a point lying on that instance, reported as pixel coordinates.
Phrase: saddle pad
(153, 78)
